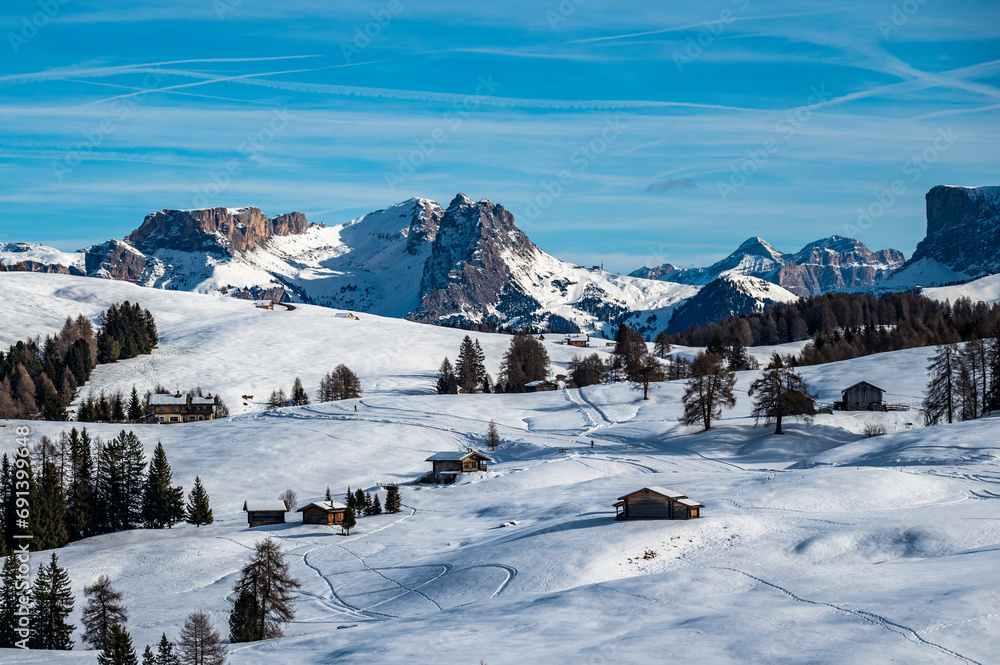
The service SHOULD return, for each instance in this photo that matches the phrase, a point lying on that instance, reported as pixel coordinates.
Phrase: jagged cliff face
(212, 230)
(963, 230)
(829, 264)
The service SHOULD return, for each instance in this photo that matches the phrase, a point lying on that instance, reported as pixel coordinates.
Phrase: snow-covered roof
(663, 491)
(329, 506)
(690, 503)
(862, 383)
(166, 399)
(202, 400)
(264, 506)
(455, 456)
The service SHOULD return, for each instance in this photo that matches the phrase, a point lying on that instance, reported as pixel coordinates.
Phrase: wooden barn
(543, 386)
(447, 466)
(261, 513)
(862, 396)
(330, 513)
(656, 503)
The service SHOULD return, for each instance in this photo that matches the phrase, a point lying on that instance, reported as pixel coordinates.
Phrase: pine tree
(244, 617)
(470, 371)
(993, 371)
(52, 605)
(661, 345)
(135, 410)
(328, 496)
(941, 401)
(780, 393)
(199, 642)
(359, 502)
(104, 609)
(631, 347)
(147, 656)
(162, 502)
(492, 436)
(80, 495)
(376, 505)
(349, 522)
(198, 511)
(524, 361)
(9, 593)
(369, 504)
(708, 390)
(165, 652)
(299, 395)
(277, 399)
(118, 649)
(392, 499)
(266, 577)
(447, 383)
(48, 510)
(349, 499)
(118, 408)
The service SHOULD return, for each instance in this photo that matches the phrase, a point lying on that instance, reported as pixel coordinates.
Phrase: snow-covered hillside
(820, 546)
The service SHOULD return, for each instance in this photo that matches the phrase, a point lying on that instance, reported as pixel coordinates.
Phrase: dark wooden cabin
(862, 396)
(261, 513)
(330, 513)
(446, 466)
(656, 503)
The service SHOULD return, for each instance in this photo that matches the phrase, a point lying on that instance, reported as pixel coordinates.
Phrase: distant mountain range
(469, 264)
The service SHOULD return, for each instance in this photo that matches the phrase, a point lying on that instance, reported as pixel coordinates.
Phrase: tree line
(341, 383)
(850, 325)
(963, 381)
(81, 486)
(38, 380)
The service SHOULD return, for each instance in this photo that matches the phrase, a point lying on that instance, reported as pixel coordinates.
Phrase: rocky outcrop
(724, 297)
(115, 259)
(467, 272)
(963, 230)
(423, 227)
(213, 230)
(829, 264)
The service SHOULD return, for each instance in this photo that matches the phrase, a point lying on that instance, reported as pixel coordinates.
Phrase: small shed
(446, 466)
(543, 386)
(261, 513)
(582, 341)
(656, 503)
(263, 304)
(323, 512)
(862, 396)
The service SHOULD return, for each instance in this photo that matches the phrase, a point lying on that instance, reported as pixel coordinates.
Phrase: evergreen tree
(369, 504)
(376, 505)
(470, 370)
(492, 436)
(941, 401)
(267, 578)
(526, 360)
(48, 510)
(198, 511)
(165, 652)
(243, 620)
(277, 399)
(392, 499)
(80, 495)
(118, 649)
(147, 656)
(52, 605)
(587, 370)
(349, 522)
(328, 496)
(118, 408)
(661, 345)
(708, 390)
(631, 347)
(360, 502)
(299, 395)
(199, 642)
(120, 482)
(646, 370)
(9, 594)
(103, 611)
(993, 371)
(349, 499)
(135, 410)
(162, 502)
(780, 393)
(447, 383)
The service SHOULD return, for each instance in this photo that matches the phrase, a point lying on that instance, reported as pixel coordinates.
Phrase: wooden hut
(261, 513)
(656, 503)
(330, 513)
(862, 396)
(445, 467)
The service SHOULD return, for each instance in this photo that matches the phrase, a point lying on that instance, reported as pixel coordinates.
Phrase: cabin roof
(690, 503)
(253, 506)
(861, 383)
(166, 399)
(456, 456)
(328, 506)
(202, 400)
(656, 489)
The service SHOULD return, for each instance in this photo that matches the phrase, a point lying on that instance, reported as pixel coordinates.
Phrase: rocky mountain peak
(963, 229)
(213, 230)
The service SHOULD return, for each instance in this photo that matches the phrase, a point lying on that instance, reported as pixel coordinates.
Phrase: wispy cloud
(671, 184)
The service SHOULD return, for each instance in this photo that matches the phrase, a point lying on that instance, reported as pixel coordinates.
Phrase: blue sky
(630, 132)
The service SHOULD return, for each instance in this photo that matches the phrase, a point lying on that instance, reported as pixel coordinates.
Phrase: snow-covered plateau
(819, 546)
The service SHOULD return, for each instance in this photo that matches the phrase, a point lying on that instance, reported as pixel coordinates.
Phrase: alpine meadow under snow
(819, 546)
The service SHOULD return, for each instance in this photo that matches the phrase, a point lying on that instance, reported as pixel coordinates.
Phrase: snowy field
(820, 546)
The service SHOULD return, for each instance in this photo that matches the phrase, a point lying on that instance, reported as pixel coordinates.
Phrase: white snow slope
(820, 546)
